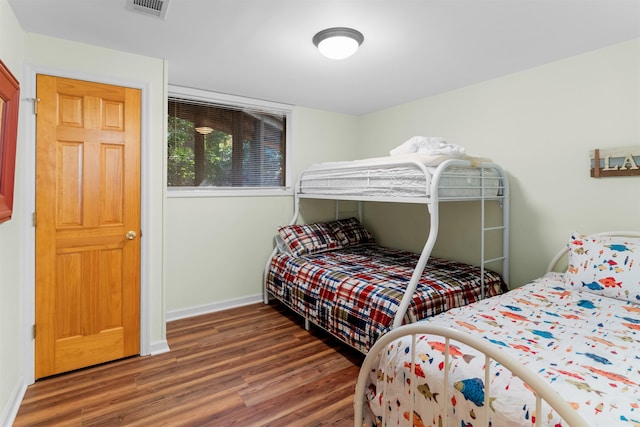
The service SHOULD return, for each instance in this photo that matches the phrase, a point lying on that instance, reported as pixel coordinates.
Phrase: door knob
(130, 235)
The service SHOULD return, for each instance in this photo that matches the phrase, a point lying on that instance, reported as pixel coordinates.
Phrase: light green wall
(217, 246)
(11, 380)
(539, 125)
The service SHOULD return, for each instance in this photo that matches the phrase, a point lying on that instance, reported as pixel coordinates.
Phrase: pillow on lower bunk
(605, 265)
(282, 246)
(303, 239)
(350, 232)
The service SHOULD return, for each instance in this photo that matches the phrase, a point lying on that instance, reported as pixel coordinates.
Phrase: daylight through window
(212, 145)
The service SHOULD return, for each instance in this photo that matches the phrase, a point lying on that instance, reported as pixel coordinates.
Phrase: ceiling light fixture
(204, 130)
(338, 42)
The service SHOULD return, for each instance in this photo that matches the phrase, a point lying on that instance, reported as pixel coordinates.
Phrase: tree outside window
(213, 145)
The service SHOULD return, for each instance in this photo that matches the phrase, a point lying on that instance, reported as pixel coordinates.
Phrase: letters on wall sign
(624, 161)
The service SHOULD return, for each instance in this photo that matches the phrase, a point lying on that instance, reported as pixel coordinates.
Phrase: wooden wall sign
(623, 161)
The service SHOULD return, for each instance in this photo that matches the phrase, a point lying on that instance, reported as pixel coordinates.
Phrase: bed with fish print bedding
(578, 332)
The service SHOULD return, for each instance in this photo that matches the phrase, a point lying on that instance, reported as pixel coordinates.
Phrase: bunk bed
(561, 350)
(336, 276)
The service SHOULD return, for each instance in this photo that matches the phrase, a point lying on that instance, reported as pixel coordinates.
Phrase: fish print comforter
(354, 292)
(586, 346)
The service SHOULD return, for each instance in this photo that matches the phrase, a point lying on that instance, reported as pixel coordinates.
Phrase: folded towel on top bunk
(429, 145)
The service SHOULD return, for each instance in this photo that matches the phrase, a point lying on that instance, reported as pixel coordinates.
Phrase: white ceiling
(412, 48)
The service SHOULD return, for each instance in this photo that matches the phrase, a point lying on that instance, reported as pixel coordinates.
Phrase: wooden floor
(249, 366)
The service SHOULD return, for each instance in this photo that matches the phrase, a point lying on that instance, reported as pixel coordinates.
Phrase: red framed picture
(9, 104)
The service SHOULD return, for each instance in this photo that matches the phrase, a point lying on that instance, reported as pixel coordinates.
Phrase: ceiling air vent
(156, 8)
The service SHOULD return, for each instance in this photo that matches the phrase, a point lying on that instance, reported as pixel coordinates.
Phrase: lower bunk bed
(561, 350)
(334, 275)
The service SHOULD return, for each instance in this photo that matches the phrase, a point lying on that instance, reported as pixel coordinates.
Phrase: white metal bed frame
(492, 188)
(543, 391)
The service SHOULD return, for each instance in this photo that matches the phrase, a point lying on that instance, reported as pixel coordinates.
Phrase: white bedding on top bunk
(399, 176)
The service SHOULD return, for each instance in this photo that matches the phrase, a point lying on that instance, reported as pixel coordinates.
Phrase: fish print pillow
(605, 265)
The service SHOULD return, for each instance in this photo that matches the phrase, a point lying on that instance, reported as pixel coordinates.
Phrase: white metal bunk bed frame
(543, 391)
(431, 197)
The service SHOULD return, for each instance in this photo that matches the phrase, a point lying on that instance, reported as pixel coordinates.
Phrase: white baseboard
(13, 405)
(159, 347)
(213, 307)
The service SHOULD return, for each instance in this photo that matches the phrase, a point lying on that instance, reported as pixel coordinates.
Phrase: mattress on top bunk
(587, 346)
(401, 176)
(354, 292)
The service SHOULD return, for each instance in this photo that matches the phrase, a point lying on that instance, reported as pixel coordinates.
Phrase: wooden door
(87, 224)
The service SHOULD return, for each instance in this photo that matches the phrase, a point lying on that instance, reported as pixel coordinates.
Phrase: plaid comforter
(353, 293)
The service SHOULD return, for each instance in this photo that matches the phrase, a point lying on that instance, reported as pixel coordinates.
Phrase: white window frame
(238, 102)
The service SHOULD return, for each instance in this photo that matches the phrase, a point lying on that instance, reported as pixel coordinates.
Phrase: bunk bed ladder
(504, 228)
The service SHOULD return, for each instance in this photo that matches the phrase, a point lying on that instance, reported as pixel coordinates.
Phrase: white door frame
(28, 129)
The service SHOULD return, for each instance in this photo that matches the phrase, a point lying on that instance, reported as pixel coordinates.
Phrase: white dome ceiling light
(338, 42)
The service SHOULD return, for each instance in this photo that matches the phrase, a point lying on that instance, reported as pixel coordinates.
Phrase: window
(218, 143)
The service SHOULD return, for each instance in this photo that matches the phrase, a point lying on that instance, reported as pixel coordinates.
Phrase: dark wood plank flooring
(247, 366)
